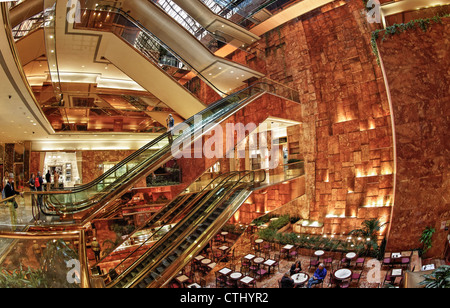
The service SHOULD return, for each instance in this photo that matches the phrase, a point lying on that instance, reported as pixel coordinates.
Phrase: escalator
(179, 207)
(103, 191)
(188, 237)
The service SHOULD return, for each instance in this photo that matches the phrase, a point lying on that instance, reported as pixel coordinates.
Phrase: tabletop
(247, 279)
(350, 255)
(182, 278)
(223, 248)
(397, 272)
(288, 247)
(300, 278)
(194, 286)
(343, 273)
(428, 267)
(206, 261)
(259, 241)
(250, 257)
(258, 260)
(199, 257)
(396, 255)
(236, 275)
(319, 253)
(270, 262)
(225, 271)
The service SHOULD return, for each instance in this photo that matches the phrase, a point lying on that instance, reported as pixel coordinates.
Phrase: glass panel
(39, 263)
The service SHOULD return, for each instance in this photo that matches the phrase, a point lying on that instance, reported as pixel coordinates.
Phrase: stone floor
(243, 247)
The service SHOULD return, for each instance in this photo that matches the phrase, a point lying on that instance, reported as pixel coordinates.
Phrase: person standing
(10, 192)
(56, 180)
(38, 183)
(170, 124)
(48, 180)
(31, 182)
(96, 249)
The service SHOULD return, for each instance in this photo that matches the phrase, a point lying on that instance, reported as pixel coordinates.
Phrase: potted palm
(370, 229)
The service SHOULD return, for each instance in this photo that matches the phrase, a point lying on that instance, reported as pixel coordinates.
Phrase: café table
(182, 279)
(428, 267)
(225, 271)
(300, 279)
(350, 255)
(194, 286)
(236, 275)
(319, 253)
(269, 263)
(396, 257)
(247, 280)
(205, 261)
(223, 248)
(212, 265)
(342, 274)
(249, 257)
(224, 236)
(397, 272)
(199, 257)
(286, 249)
(258, 260)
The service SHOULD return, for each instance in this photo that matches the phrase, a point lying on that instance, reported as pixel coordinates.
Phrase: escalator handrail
(145, 224)
(132, 266)
(156, 141)
(249, 89)
(173, 246)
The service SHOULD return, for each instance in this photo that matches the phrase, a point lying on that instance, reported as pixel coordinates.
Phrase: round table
(258, 260)
(259, 241)
(342, 274)
(206, 261)
(350, 255)
(236, 275)
(319, 253)
(300, 278)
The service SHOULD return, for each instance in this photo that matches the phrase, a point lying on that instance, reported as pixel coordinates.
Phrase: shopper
(170, 124)
(32, 182)
(48, 180)
(10, 192)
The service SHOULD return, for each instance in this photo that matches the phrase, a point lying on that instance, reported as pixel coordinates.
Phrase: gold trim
(14, 53)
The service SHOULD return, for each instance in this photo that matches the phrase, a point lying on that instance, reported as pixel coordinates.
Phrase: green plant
(54, 264)
(439, 279)
(423, 24)
(426, 239)
(20, 278)
(369, 231)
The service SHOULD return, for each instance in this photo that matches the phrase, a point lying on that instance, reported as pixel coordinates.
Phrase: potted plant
(439, 279)
(369, 231)
(426, 240)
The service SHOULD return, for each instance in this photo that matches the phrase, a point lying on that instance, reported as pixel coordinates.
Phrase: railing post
(84, 269)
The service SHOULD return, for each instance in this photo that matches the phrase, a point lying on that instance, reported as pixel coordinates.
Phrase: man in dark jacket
(10, 192)
(287, 281)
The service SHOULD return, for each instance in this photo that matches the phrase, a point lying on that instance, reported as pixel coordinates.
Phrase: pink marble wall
(416, 64)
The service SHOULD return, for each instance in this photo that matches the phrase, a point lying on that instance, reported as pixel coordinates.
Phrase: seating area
(250, 263)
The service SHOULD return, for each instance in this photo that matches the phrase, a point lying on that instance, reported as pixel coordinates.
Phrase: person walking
(170, 124)
(96, 249)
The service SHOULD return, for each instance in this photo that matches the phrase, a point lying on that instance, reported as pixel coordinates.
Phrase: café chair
(360, 261)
